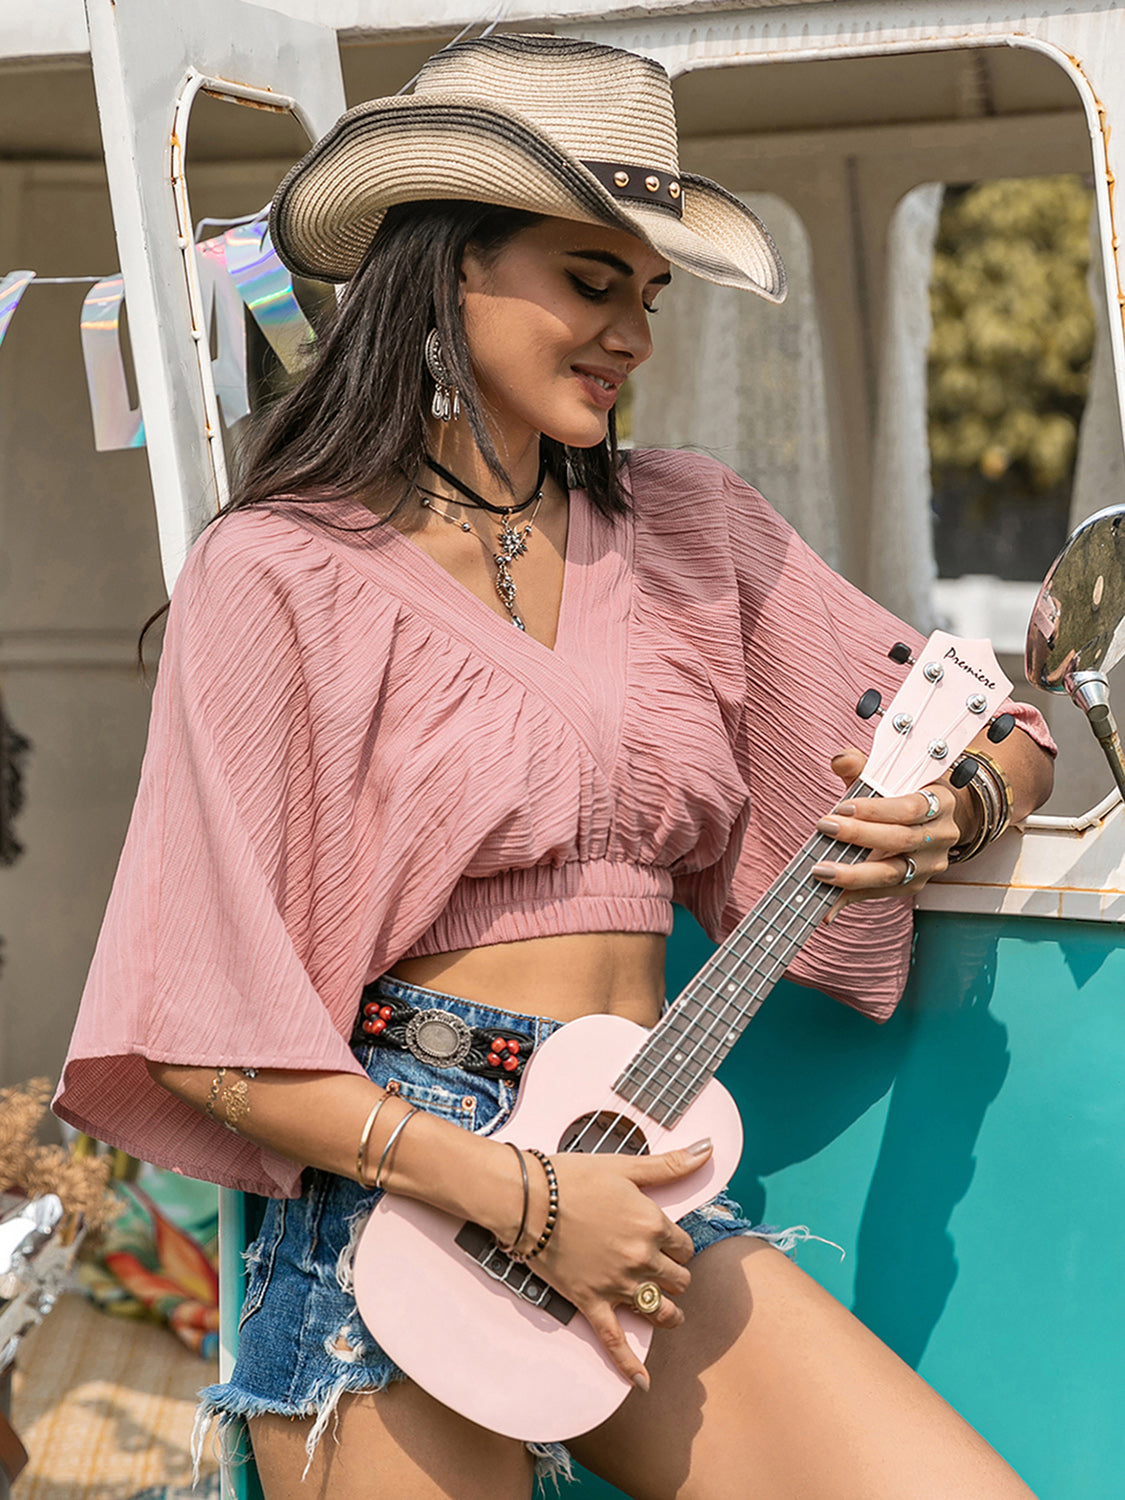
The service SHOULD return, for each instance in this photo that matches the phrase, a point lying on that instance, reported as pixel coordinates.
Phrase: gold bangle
(1002, 785)
(972, 846)
(365, 1136)
(992, 790)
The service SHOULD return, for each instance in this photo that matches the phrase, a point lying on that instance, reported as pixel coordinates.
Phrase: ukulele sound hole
(605, 1132)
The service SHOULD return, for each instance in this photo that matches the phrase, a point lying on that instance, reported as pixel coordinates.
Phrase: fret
(686, 1047)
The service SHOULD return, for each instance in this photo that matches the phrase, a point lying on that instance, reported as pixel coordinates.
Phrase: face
(555, 322)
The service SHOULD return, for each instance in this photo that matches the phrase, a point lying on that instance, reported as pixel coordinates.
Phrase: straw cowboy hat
(548, 124)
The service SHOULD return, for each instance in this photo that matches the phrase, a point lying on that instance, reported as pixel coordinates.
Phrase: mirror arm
(1090, 691)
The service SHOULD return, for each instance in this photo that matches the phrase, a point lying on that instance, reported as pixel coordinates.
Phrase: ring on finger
(909, 873)
(647, 1298)
(933, 808)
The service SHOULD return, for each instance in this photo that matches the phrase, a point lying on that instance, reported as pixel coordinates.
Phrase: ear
(472, 275)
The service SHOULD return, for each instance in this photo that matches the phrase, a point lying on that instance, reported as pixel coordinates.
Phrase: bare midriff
(564, 977)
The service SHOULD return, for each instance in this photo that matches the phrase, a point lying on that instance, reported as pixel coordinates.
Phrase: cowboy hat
(544, 123)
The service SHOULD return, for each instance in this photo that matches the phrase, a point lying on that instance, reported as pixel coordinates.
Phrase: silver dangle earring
(447, 402)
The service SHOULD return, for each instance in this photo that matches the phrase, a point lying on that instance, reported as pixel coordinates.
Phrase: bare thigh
(394, 1443)
(772, 1389)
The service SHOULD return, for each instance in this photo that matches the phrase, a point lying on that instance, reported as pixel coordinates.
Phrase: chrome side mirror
(1077, 630)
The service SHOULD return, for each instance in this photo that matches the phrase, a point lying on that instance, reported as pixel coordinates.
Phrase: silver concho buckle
(438, 1038)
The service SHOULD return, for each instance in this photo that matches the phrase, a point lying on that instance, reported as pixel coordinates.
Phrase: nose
(629, 334)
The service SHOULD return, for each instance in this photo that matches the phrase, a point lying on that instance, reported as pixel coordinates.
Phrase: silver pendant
(439, 1038)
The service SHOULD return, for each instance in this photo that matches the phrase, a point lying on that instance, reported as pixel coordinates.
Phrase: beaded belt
(439, 1038)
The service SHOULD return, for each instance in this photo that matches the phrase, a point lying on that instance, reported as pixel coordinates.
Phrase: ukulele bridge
(479, 1245)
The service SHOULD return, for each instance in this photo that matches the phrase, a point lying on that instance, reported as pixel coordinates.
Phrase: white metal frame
(144, 51)
(1059, 867)
(151, 62)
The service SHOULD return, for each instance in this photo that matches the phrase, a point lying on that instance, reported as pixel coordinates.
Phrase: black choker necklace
(478, 500)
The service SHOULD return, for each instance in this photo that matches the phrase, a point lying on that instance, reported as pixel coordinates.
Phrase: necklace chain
(512, 540)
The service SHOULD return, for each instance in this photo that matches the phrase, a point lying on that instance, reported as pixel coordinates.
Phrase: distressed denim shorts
(302, 1344)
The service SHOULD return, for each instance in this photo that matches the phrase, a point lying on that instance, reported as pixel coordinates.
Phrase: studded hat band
(439, 1038)
(552, 125)
(640, 184)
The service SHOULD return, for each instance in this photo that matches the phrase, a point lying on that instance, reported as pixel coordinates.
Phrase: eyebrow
(615, 263)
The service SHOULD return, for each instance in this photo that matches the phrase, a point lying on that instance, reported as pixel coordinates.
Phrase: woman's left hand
(907, 844)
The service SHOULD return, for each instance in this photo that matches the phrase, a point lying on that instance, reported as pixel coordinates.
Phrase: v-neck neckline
(584, 674)
(469, 608)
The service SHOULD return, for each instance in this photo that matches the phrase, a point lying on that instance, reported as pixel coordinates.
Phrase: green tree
(1013, 329)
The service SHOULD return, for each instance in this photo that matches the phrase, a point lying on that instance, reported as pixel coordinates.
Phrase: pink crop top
(353, 759)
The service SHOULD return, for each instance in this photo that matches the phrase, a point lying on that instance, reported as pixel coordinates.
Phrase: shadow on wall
(810, 1068)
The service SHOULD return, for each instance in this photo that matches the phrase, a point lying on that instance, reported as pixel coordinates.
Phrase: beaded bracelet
(552, 1203)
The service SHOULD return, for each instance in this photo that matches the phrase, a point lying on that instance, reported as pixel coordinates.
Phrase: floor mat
(105, 1407)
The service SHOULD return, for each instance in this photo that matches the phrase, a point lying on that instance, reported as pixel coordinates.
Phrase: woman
(432, 722)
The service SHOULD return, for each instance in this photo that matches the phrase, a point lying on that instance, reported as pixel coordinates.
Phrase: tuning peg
(901, 654)
(868, 705)
(964, 771)
(1001, 727)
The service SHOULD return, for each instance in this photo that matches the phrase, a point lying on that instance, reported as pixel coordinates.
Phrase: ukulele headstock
(953, 692)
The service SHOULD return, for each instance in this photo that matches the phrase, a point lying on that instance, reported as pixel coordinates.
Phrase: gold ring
(647, 1298)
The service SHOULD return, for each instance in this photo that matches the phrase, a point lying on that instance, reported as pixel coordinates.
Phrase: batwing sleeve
(209, 941)
(812, 645)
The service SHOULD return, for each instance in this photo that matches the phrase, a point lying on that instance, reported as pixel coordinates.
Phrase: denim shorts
(302, 1344)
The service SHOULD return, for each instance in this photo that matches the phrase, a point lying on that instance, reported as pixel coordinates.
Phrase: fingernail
(824, 872)
(828, 825)
(641, 1381)
(700, 1148)
(846, 809)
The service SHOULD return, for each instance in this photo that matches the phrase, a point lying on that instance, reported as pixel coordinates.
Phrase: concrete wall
(79, 573)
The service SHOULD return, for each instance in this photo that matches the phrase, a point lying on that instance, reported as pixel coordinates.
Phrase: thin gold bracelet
(365, 1136)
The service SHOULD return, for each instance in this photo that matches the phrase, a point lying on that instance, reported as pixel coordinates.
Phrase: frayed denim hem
(232, 1408)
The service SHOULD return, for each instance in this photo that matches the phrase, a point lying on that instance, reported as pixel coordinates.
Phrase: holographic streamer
(12, 288)
(116, 423)
(267, 289)
(224, 314)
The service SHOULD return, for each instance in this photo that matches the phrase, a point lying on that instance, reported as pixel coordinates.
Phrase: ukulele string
(810, 852)
(846, 857)
(666, 1090)
(849, 854)
(676, 1091)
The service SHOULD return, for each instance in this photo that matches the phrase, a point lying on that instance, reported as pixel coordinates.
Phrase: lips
(601, 386)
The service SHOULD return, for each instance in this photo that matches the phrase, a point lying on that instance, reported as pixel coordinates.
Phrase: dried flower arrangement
(80, 1181)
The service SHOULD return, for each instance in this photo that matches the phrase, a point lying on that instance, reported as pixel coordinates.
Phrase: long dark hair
(355, 424)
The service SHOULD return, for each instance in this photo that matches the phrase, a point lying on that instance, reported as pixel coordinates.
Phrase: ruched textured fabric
(352, 759)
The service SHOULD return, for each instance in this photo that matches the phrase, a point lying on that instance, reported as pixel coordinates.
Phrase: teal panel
(969, 1158)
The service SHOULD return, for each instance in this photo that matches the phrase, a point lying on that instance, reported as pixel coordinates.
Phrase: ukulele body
(471, 1341)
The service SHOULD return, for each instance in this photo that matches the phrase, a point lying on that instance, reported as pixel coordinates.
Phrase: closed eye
(584, 289)
(600, 293)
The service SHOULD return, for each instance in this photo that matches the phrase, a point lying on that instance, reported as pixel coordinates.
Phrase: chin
(579, 434)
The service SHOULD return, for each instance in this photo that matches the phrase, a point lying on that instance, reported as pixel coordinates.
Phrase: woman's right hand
(610, 1237)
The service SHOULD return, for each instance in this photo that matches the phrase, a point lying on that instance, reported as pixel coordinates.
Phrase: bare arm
(610, 1235)
(317, 1119)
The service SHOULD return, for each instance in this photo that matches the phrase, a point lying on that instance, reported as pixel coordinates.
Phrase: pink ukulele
(479, 1330)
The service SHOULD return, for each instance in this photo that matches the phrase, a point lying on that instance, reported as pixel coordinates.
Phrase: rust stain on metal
(1110, 177)
(227, 97)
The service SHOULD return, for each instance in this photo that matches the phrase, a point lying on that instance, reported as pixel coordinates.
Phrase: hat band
(639, 184)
